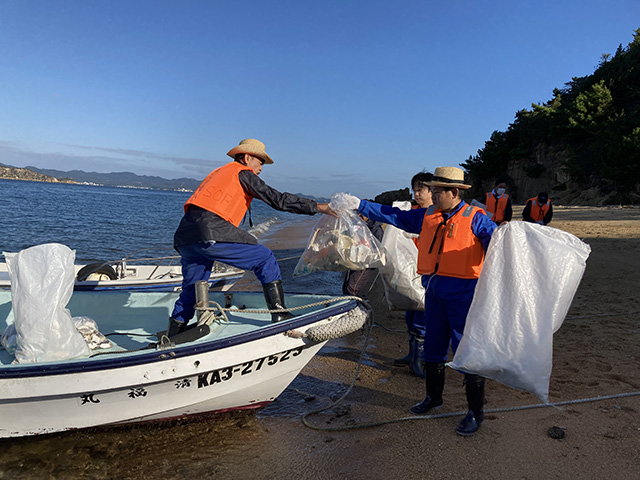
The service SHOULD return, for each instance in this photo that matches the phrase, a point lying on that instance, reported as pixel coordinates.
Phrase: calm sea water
(100, 223)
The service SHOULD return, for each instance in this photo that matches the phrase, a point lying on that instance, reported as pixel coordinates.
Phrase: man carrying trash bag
(453, 240)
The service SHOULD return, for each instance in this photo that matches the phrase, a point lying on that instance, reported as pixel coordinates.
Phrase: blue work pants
(447, 303)
(415, 320)
(197, 262)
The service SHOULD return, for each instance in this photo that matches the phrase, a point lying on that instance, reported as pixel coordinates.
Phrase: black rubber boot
(175, 327)
(417, 351)
(274, 296)
(474, 387)
(401, 362)
(434, 380)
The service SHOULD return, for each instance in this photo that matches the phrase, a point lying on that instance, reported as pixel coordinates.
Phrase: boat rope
(353, 382)
(454, 414)
(281, 310)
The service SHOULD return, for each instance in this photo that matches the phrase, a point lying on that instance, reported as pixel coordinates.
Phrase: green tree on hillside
(594, 121)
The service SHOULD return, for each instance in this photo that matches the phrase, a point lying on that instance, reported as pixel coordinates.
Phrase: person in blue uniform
(416, 319)
(453, 239)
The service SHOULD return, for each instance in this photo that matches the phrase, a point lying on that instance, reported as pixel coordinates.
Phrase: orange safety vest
(222, 193)
(450, 248)
(539, 211)
(497, 207)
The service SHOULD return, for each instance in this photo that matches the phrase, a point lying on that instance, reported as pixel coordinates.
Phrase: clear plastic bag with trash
(530, 276)
(42, 280)
(402, 284)
(340, 244)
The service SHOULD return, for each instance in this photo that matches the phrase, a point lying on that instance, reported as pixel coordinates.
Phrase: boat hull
(221, 372)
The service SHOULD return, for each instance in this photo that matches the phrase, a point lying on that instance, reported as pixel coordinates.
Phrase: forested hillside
(582, 146)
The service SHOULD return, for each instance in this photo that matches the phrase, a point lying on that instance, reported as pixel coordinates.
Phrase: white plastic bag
(402, 284)
(340, 244)
(528, 281)
(42, 279)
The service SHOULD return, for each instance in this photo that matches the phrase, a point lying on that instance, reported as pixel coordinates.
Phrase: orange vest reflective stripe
(222, 194)
(539, 211)
(497, 207)
(450, 248)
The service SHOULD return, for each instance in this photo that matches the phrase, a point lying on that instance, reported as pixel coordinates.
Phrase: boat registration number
(224, 374)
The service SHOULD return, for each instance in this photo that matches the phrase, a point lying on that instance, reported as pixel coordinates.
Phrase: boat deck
(130, 320)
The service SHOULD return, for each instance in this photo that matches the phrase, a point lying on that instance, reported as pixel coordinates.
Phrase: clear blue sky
(353, 96)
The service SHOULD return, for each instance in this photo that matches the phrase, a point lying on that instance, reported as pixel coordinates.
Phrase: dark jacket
(199, 225)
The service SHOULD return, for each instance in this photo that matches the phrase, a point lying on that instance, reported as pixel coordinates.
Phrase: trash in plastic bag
(402, 284)
(340, 244)
(524, 292)
(42, 279)
(88, 328)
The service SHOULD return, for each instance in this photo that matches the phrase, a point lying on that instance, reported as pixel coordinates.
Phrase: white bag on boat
(528, 281)
(402, 284)
(42, 279)
(340, 244)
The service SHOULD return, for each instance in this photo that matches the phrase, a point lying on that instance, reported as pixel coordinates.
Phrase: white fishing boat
(157, 273)
(237, 358)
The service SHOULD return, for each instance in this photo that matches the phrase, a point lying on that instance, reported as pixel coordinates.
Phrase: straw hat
(252, 147)
(448, 177)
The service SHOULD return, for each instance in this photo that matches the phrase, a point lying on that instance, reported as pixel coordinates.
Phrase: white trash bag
(340, 244)
(526, 287)
(402, 284)
(42, 279)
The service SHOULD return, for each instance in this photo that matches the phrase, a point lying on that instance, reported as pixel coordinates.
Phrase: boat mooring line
(602, 315)
(280, 310)
(456, 414)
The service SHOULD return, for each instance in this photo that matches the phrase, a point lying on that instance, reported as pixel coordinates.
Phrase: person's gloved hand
(351, 202)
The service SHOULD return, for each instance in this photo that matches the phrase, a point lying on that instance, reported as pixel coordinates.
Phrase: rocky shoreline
(13, 173)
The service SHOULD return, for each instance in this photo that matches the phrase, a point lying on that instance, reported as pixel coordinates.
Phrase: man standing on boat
(209, 230)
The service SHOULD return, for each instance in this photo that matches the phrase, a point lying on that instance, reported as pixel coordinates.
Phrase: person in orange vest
(498, 203)
(453, 239)
(538, 210)
(415, 319)
(209, 230)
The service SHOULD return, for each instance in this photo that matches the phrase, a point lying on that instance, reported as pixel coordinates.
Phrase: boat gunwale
(119, 360)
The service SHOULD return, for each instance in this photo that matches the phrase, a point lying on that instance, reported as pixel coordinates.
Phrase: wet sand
(596, 353)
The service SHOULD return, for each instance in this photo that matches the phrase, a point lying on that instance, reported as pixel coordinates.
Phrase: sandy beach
(596, 354)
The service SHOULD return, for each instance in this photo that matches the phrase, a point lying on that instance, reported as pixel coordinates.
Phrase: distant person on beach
(209, 229)
(453, 239)
(498, 202)
(538, 209)
(416, 319)
(359, 282)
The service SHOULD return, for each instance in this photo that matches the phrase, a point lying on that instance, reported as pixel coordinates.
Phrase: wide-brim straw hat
(448, 177)
(252, 147)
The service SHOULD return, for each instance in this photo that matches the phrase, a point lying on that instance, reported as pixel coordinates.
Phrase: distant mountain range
(115, 179)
